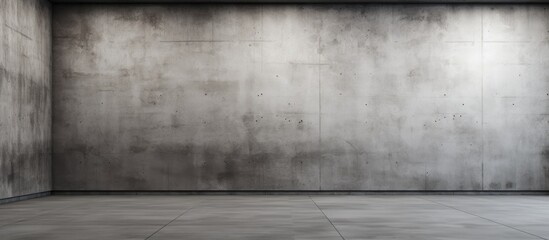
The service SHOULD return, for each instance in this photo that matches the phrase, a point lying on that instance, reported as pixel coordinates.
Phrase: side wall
(301, 97)
(25, 97)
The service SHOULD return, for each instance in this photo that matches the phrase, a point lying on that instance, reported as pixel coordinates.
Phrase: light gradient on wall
(301, 97)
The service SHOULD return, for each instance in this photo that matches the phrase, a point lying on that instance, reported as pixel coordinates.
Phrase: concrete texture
(277, 217)
(301, 97)
(25, 97)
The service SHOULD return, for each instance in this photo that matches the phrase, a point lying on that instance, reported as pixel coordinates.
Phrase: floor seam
(165, 225)
(487, 219)
(327, 218)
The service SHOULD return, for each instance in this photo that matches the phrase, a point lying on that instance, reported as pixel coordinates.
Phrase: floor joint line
(487, 219)
(327, 218)
(165, 225)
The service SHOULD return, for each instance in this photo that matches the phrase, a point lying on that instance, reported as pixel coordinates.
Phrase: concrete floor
(277, 217)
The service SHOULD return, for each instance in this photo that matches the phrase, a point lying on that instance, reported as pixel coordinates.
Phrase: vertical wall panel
(25, 97)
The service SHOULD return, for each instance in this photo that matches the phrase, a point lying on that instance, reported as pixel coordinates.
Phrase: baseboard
(296, 192)
(25, 197)
(269, 192)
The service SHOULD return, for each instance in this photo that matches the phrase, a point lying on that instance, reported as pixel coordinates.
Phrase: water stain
(418, 15)
(82, 149)
(137, 149)
(545, 165)
(495, 186)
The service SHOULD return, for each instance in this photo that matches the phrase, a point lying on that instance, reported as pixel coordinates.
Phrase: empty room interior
(274, 119)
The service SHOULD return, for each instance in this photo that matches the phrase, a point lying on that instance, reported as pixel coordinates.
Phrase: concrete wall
(301, 97)
(25, 97)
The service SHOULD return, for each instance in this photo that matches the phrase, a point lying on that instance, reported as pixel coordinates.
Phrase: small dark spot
(205, 94)
(276, 75)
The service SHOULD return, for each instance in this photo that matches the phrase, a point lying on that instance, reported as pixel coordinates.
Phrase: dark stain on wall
(421, 15)
(545, 165)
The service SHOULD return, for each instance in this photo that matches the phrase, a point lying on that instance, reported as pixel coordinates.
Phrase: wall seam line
(482, 94)
(319, 110)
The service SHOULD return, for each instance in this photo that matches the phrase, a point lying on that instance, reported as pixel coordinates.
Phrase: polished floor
(277, 217)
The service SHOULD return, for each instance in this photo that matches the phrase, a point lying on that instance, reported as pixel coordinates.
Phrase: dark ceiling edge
(301, 1)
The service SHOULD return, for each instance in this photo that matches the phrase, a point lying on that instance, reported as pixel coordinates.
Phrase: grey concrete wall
(25, 97)
(301, 97)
